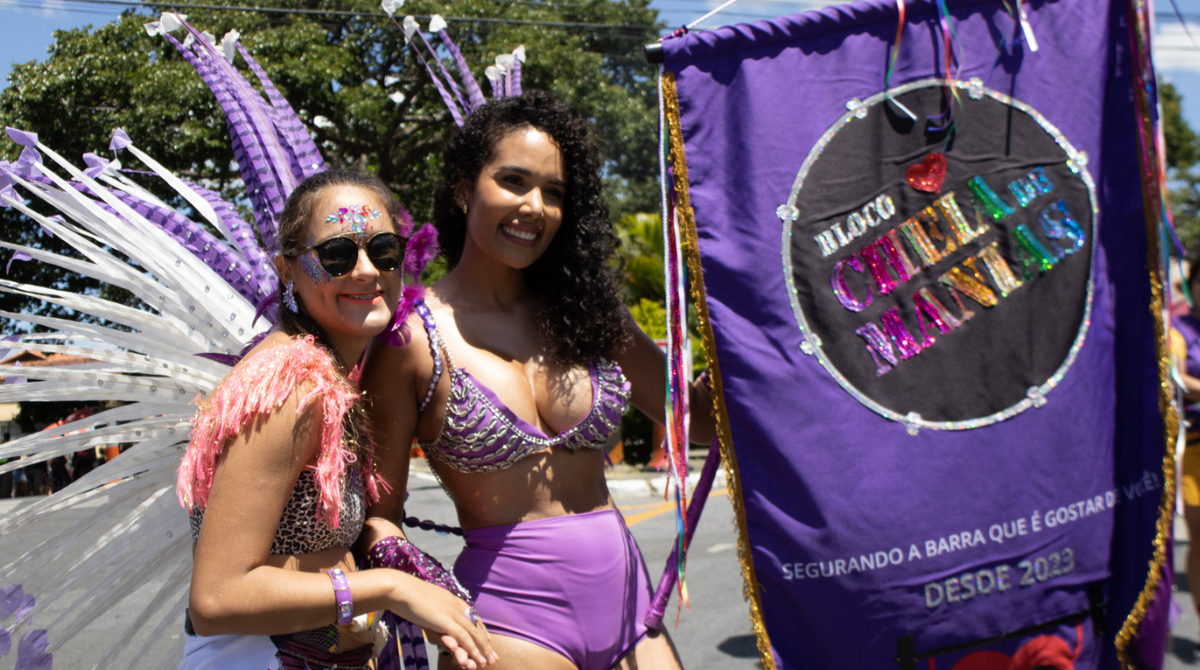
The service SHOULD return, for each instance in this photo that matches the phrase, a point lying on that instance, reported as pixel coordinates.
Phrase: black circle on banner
(943, 278)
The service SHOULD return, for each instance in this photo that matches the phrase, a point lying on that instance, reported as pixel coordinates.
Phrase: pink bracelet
(341, 590)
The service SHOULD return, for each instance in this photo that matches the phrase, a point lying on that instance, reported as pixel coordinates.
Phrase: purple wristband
(341, 590)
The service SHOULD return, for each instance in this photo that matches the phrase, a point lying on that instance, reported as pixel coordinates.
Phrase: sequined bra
(479, 433)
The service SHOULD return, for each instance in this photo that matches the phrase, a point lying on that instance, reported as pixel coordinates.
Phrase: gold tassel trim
(1166, 404)
(750, 589)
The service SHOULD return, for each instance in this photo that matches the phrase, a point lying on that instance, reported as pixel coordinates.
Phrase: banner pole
(733, 480)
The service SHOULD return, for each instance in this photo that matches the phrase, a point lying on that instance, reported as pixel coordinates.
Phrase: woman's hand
(446, 616)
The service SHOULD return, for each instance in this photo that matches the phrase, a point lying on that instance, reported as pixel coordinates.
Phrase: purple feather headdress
(274, 154)
(505, 75)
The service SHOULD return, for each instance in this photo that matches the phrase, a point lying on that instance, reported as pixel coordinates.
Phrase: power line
(39, 7)
(360, 14)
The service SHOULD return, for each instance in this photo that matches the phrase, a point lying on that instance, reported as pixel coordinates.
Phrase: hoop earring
(289, 297)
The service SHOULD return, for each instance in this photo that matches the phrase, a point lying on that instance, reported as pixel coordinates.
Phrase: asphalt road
(1185, 635)
(714, 633)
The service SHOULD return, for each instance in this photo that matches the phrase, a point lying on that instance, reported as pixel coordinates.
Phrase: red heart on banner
(927, 175)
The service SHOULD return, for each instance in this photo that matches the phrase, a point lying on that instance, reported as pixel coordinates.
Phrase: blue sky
(27, 29)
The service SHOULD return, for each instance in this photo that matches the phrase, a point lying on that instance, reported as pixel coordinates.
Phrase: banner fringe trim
(750, 591)
(1151, 208)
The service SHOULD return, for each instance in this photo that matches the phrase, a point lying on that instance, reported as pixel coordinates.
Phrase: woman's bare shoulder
(389, 368)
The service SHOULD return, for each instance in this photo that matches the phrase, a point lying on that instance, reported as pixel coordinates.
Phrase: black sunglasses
(339, 255)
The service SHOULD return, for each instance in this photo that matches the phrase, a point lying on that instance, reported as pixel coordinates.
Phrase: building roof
(30, 359)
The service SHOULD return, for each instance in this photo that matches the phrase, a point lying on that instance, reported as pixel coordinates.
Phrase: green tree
(352, 79)
(641, 236)
(1183, 146)
(642, 254)
(1183, 152)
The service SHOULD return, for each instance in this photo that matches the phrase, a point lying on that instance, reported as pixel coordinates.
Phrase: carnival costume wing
(118, 531)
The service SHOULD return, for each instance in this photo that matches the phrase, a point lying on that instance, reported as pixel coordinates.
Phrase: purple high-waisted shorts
(574, 584)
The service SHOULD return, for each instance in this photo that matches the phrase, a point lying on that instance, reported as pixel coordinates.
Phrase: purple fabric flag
(937, 357)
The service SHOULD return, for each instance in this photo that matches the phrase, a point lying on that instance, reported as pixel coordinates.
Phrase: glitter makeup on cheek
(311, 267)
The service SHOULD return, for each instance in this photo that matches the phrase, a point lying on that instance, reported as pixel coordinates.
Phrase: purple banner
(930, 307)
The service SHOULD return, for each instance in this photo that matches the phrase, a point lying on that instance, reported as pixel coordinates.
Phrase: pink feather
(257, 387)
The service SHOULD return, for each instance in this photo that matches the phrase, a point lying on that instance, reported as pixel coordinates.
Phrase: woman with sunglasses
(279, 469)
(524, 360)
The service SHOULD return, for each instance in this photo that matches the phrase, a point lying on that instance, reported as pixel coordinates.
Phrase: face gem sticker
(353, 219)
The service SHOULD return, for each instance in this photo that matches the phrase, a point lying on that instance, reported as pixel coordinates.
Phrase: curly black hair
(582, 315)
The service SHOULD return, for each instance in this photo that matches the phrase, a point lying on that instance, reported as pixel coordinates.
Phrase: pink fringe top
(255, 388)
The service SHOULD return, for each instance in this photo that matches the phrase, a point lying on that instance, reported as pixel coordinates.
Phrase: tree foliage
(352, 79)
(641, 236)
(1183, 146)
(1183, 152)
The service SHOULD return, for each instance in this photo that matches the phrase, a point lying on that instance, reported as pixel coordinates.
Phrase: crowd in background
(50, 476)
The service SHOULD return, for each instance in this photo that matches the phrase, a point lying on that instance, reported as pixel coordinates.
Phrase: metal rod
(653, 53)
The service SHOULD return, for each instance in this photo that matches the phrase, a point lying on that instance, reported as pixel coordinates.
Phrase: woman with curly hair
(522, 365)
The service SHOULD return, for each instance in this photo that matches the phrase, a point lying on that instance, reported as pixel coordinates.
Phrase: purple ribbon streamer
(474, 94)
(120, 140)
(31, 652)
(10, 598)
(19, 256)
(22, 137)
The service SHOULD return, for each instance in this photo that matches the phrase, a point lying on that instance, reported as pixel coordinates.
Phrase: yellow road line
(661, 508)
(623, 508)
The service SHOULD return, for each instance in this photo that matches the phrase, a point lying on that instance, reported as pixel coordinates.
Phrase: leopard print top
(300, 530)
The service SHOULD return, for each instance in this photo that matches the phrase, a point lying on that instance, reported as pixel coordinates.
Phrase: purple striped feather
(247, 128)
(261, 268)
(474, 95)
(448, 99)
(252, 104)
(445, 73)
(298, 139)
(277, 122)
(265, 198)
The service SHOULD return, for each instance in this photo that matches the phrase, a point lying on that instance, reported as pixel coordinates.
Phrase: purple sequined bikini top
(479, 433)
